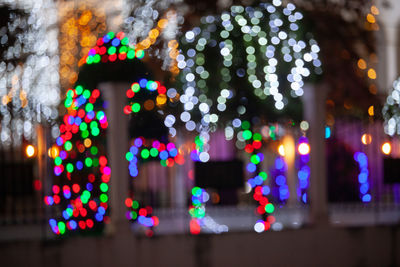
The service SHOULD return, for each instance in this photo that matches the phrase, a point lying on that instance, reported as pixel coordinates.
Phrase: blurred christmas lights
(362, 160)
(386, 148)
(80, 159)
(30, 151)
(29, 79)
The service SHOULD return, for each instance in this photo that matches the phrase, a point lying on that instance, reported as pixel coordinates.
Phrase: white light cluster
(143, 16)
(29, 79)
(391, 111)
(260, 45)
(215, 227)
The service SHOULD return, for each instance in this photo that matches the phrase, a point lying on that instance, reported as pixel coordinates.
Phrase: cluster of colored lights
(198, 152)
(79, 144)
(362, 161)
(111, 47)
(241, 129)
(265, 208)
(261, 191)
(139, 152)
(197, 210)
(252, 144)
(144, 149)
(303, 173)
(142, 215)
(151, 86)
(79, 158)
(166, 152)
(159, 97)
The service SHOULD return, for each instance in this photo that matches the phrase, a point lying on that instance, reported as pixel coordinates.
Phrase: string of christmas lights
(303, 172)
(80, 155)
(145, 32)
(29, 79)
(391, 110)
(362, 160)
(79, 27)
(81, 164)
(248, 45)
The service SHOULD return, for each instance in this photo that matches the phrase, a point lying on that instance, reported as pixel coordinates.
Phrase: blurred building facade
(364, 230)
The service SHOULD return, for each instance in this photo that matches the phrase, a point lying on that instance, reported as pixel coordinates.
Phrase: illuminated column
(388, 42)
(179, 190)
(289, 145)
(117, 144)
(314, 111)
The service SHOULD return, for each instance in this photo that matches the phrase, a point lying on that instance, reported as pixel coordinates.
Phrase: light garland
(29, 80)
(81, 160)
(255, 52)
(261, 191)
(144, 149)
(253, 144)
(109, 48)
(303, 172)
(278, 172)
(80, 26)
(81, 163)
(155, 24)
(391, 110)
(362, 160)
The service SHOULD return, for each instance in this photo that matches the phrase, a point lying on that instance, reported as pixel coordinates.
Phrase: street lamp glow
(386, 148)
(281, 150)
(30, 151)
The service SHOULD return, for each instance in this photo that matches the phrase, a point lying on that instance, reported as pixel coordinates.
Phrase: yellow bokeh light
(173, 44)
(22, 95)
(371, 111)
(87, 142)
(161, 99)
(386, 148)
(374, 10)
(53, 152)
(304, 149)
(162, 23)
(154, 33)
(5, 99)
(281, 150)
(372, 74)
(366, 139)
(24, 102)
(362, 64)
(173, 53)
(85, 18)
(371, 18)
(30, 151)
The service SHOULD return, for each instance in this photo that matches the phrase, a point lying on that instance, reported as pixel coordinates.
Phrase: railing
(32, 224)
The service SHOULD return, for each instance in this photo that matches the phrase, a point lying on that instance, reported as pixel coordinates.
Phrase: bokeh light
(304, 148)
(366, 139)
(29, 79)
(30, 151)
(386, 148)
